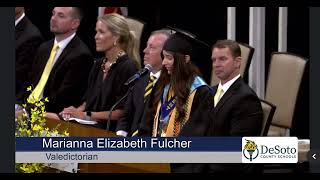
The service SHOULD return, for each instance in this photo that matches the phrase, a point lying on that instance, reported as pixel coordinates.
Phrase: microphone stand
(116, 104)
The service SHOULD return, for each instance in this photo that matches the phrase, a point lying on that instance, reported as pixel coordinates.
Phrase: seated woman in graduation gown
(108, 75)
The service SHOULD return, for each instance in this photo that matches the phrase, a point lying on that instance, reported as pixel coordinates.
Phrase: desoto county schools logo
(269, 150)
(250, 150)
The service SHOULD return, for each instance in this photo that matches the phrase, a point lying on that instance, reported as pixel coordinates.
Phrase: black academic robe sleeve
(196, 126)
(198, 122)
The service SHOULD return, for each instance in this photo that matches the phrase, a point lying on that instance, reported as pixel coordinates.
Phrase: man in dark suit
(130, 124)
(237, 110)
(28, 39)
(69, 66)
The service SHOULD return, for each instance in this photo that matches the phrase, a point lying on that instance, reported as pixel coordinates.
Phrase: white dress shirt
(19, 19)
(227, 85)
(62, 45)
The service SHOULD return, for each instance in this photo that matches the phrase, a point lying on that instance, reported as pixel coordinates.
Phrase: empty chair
(268, 110)
(284, 79)
(246, 55)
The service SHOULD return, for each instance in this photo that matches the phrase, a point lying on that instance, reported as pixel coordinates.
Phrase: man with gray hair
(130, 124)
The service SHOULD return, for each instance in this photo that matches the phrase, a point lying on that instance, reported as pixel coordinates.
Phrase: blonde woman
(108, 75)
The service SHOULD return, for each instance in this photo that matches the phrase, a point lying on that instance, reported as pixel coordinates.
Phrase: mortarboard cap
(187, 43)
(183, 42)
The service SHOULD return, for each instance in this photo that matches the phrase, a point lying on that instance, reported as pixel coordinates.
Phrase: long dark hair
(180, 80)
